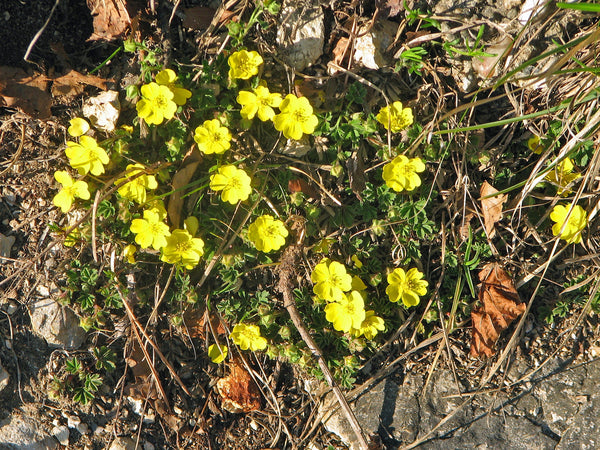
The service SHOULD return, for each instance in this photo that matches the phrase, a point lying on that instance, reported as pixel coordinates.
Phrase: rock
(300, 33)
(387, 406)
(4, 377)
(584, 432)
(103, 110)
(370, 46)
(122, 443)
(6, 243)
(24, 433)
(61, 433)
(57, 324)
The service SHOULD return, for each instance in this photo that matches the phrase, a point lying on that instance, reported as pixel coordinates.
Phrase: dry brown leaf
(180, 180)
(341, 51)
(356, 172)
(110, 18)
(196, 322)
(26, 93)
(500, 305)
(300, 185)
(491, 206)
(238, 391)
(390, 8)
(73, 84)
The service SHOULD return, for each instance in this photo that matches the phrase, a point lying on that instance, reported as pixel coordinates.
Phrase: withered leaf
(110, 18)
(300, 185)
(238, 391)
(341, 51)
(356, 172)
(24, 92)
(196, 322)
(500, 305)
(491, 206)
(180, 180)
(73, 83)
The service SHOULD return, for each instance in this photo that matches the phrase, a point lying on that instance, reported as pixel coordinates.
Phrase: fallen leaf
(196, 322)
(341, 51)
(180, 180)
(24, 92)
(110, 18)
(300, 185)
(500, 305)
(491, 207)
(238, 391)
(73, 84)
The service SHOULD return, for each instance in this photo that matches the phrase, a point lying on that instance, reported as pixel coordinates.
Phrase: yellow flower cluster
(346, 310)
(247, 337)
(295, 117)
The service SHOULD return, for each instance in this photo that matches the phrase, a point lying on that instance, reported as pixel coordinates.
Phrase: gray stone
(24, 433)
(387, 408)
(584, 432)
(300, 33)
(57, 324)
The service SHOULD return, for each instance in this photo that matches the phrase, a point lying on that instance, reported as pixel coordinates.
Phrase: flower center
(299, 115)
(182, 246)
(161, 102)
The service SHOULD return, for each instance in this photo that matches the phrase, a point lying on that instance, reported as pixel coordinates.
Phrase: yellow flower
(331, 280)
(150, 231)
(296, 117)
(73, 237)
(211, 137)
(369, 327)
(260, 102)
(347, 313)
(402, 173)
(217, 353)
(158, 206)
(408, 286)
(562, 175)
(86, 156)
(129, 253)
(233, 183)
(357, 284)
(70, 190)
(394, 117)
(577, 222)
(78, 127)
(267, 233)
(157, 103)
(533, 143)
(136, 188)
(244, 64)
(182, 249)
(248, 337)
(168, 78)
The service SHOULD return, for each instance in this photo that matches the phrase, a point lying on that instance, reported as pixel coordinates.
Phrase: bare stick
(286, 272)
(39, 33)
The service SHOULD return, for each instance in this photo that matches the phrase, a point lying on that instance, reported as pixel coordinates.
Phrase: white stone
(25, 433)
(73, 421)
(370, 46)
(6, 243)
(61, 433)
(103, 110)
(300, 34)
